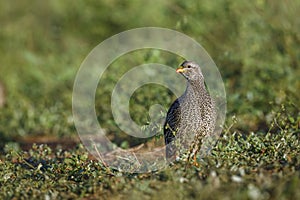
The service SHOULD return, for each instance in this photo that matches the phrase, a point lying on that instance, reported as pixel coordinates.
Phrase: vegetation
(254, 44)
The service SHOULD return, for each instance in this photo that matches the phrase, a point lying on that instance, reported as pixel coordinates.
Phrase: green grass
(254, 166)
(255, 46)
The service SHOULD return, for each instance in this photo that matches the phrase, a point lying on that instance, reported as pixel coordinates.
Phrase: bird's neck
(195, 88)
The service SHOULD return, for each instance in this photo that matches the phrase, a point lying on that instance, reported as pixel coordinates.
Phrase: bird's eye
(189, 66)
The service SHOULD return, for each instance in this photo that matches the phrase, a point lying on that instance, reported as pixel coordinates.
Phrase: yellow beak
(180, 69)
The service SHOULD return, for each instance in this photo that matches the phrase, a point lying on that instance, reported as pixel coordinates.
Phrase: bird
(191, 117)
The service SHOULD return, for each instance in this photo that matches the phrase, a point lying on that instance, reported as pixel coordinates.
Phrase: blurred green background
(42, 44)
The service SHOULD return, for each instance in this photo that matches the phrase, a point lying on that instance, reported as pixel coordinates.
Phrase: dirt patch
(53, 142)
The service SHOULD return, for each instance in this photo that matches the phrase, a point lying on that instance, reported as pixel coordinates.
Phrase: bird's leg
(193, 153)
(195, 163)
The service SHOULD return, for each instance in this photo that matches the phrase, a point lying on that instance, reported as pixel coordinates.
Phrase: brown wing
(170, 127)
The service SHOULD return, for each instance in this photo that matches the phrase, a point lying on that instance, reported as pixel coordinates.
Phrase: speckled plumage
(192, 116)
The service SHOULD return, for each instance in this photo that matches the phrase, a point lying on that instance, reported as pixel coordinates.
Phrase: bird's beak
(180, 69)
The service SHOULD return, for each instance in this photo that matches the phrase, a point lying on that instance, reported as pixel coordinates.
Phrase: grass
(255, 46)
(258, 166)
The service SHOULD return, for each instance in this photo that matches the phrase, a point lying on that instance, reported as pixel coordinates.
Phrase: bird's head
(191, 71)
